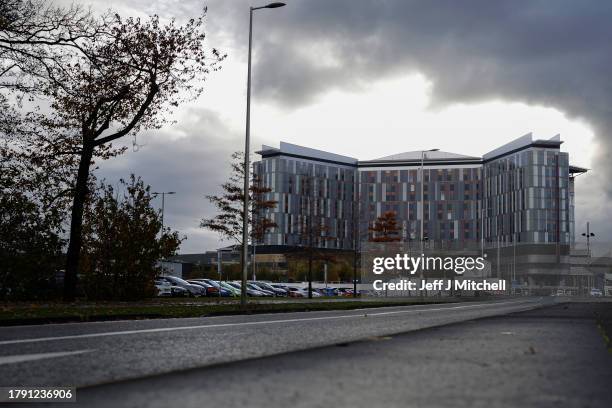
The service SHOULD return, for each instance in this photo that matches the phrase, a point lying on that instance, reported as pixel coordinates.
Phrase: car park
(255, 288)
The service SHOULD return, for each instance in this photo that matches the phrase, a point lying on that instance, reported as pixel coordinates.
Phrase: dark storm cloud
(550, 53)
(553, 53)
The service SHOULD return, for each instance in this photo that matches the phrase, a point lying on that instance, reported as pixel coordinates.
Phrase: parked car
(193, 290)
(258, 286)
(295, 292)
(280, 286)
(259, 292)
(163, 288)
(250, 292)
(270, 288)
(315, 293)
(229, 288)
(178, 291)
(220, 288)
(329, 291)
(596, 292)
(210, 290)
(345, 292)
(302, 292)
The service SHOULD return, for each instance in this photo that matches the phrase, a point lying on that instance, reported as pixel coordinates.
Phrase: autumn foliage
(385, 228)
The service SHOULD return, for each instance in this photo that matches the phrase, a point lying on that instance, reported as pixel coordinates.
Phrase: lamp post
(423, 203)
(163, 194)
(247, 147)
(588, 236)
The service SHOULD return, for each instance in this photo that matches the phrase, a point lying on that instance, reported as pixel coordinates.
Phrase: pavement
(528, 352)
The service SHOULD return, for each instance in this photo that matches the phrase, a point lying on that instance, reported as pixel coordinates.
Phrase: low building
(175, 268)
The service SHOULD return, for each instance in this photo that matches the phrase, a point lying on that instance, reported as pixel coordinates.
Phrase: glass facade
(451, 201)
(527, 197)
(521, 192)
(308, 192)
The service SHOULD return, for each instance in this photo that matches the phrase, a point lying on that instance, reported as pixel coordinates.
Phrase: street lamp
(423, 204)
(163, 194)
(588, 236)
(247, 148)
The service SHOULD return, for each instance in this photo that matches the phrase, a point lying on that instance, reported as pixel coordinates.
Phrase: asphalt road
(85, 354)
(549, 357)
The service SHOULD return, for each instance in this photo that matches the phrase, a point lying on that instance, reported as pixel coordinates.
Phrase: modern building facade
(315, 193)
(518, 195)
(522, 191)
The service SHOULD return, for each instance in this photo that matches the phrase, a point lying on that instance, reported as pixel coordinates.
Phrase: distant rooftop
(412, 157)
(521, 142)
(290, 149)
(416, 155)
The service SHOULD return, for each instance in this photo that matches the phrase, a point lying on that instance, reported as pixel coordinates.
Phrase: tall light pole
(163, 194)
(423, 203)
(247, 148)
(588, 236)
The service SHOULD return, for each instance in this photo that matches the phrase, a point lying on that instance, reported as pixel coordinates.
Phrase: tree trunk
(76, 224)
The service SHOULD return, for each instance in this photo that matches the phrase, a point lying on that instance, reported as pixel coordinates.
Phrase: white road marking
(205, 326)
(39, 356)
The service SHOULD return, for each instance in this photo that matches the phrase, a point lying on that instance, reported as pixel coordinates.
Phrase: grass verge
(12, 314)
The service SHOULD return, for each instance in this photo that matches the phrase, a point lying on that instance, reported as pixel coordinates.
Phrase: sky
(372, 78)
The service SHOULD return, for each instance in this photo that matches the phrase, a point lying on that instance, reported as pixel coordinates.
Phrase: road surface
(83, 354)
(550, 357)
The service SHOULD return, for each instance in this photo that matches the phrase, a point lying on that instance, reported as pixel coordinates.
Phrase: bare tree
(38, 39)
(37, 42)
